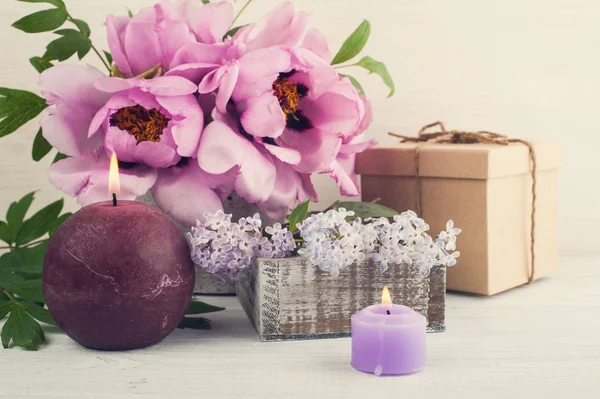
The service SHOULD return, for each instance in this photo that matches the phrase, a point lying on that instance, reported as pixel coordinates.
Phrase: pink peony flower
(154, 122)
(291, 99)
(71, 89)
(153, 37)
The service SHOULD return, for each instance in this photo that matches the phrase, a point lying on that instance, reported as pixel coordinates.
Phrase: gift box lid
(464, 161)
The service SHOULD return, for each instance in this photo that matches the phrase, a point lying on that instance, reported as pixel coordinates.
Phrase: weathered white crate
(290, 299)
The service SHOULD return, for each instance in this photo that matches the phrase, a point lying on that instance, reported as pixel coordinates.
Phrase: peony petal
(185, 193)
(71, 89)
(191, 53)
(262, 116)
(101, 118)
(115, 29)
(86, 177)
(156, 155)
(316, 42)
(357, 145)
(258, 70)
(170, 86)
(186, 132)
(193, 72)
(313, 72)
(342, 171)
(65, 129)
(211, 22)
(335, 111)
(142, 47)
(227, 86)
(221, 149)
(318, 148)
(172, 36)
(73, 84)
(281, 26)
(286, 155)
(114, 85)
(291, 188)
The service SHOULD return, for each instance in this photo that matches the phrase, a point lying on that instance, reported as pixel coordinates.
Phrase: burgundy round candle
(118, 277)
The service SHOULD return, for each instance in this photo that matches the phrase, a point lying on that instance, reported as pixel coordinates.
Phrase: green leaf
(39, 313)
(58, 222)
(22, 329)
(380, 69)
(83, 26)
(195, 323)
(16, 214)
(298, 215)
(109, 57)
(26, 289)
(233, 31)
(353, 44)
(17, 210)
(40, 223)
(355, 83)
(57, 3)
(70, 42)
(4, 307)
(59, 157)
(41, 147)
(3, 297)
(28, 260)
(205, 1)
(39, 64)
(365, 209)
(42, 21)
(130, 13)
(18, 107)
(6, 233)
(197, 307)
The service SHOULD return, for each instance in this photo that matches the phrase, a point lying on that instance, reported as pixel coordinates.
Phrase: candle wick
(388, 312)
(114, 199)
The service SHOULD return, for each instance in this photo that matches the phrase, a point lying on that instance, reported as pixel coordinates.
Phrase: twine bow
(462, 137)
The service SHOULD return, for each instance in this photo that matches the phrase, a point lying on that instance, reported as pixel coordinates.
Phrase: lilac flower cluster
(405, 241)
(227, 249)
(332, 243)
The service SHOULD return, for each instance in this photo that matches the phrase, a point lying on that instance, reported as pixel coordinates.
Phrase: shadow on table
(230, 324)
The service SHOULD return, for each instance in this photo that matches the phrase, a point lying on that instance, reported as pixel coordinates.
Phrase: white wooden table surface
(541, 341)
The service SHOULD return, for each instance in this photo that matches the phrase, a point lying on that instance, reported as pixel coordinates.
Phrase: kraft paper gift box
(486, 190)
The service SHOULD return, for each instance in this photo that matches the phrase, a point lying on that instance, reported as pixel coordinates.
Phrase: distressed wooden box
(290, 299)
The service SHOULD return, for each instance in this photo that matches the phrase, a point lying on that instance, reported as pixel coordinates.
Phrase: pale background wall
(529, 68)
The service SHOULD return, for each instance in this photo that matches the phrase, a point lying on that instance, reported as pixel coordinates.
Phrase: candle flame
(386, 298)
(113, 177)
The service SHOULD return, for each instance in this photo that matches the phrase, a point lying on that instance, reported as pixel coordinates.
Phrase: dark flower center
(143, 124)
(289, 94)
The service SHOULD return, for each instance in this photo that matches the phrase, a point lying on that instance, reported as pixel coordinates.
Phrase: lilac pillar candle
(388, 340)
(118, 277)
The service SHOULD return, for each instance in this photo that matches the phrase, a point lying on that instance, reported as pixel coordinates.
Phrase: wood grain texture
(290, 299)
(537, 341)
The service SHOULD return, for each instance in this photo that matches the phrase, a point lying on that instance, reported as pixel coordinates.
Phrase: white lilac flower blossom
(328, 240)
(405, 241)
(331, 242)
(227, 250)
(450, 235)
